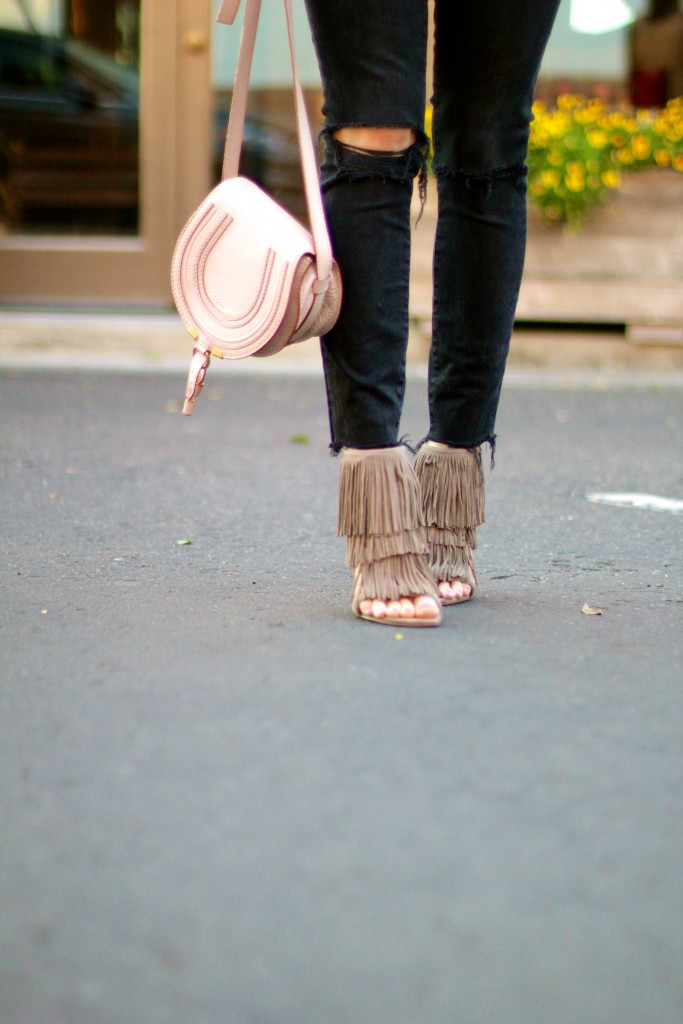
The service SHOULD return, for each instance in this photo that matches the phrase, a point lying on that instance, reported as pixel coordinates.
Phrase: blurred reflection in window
(656, 55)
(69, 111)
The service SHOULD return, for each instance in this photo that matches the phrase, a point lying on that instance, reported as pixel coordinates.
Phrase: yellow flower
(597, 139)
(568, 101)
(677, 162)
(550, 178)
(559, 125)
(554, 158)
(625, 156)
(640, 147)
(574, 184)
(662, 158)
(612, 179)
(429, 116)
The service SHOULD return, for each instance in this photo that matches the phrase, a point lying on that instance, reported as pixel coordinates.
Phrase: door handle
(194, 42)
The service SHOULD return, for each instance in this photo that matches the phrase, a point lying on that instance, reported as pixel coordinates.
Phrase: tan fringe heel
(380, 514)
(452, 483)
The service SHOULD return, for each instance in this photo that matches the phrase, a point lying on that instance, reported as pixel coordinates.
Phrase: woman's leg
(487, 57)
(367, 192)
(372, 58)
(372, 61)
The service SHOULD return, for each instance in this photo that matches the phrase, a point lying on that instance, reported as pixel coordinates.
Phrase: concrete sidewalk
(154, 342)
(224, 799)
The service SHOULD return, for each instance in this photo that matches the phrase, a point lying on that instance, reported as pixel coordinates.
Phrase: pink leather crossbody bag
(247, 277)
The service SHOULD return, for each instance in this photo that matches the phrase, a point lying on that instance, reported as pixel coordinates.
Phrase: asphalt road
(226, 801)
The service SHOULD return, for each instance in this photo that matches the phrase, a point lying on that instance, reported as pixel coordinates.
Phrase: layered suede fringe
(378, 493)
(380, 514)
(392, 578)
(462, 537)
(452, 562)
(371, 548)
(452, 483)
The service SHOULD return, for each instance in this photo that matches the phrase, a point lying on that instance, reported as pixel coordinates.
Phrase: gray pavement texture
(226, 801)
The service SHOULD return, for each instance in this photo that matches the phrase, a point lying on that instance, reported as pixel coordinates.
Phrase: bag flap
(234, 265)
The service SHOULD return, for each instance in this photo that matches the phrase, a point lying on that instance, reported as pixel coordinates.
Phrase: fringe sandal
(380, 514)
(452, 482)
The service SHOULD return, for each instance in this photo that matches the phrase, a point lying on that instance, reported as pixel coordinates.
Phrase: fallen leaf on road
(587, 610)
(398, 636)
(182, 543)
(299, 439)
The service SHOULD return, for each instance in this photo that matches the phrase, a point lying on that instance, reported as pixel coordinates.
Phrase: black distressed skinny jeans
(372, 57)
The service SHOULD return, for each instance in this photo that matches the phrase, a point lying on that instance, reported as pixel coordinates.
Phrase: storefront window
(592, 51)
(270, 153)
(590, 39)
(69, 116)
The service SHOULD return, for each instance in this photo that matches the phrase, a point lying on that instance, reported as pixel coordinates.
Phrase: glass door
(100, 103)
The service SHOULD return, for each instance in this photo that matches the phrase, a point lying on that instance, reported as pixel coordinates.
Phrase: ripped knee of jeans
(344, 161)
(483, 179)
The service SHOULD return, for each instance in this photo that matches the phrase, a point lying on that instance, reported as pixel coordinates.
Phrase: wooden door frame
(175, 150)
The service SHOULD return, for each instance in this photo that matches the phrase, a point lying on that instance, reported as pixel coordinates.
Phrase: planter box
(624, 266)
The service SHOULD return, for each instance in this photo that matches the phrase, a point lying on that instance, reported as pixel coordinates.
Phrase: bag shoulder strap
(233, 143)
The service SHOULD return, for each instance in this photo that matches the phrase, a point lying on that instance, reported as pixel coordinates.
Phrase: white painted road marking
(651, 502)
